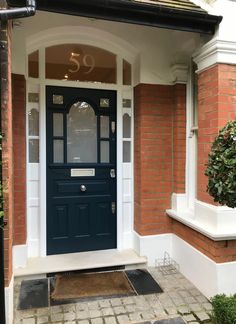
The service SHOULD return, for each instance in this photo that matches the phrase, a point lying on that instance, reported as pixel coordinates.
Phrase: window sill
(215, 222)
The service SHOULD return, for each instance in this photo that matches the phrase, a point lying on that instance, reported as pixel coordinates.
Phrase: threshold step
(79, 261)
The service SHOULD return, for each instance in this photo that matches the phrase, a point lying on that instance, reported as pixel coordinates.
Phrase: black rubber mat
(143, 282)
(33, 294)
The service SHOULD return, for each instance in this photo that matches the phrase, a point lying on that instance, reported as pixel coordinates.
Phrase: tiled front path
(179, 297)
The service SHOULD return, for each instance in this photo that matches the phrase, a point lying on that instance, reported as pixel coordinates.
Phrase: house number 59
(87, 61)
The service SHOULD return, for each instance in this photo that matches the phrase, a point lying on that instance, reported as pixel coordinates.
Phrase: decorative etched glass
(57, 99)
(81, 134)
(126, 126)
(58, 151)
(104, 126)
(33, 65)
(58, 124)
(33, 119)
(33, 151)
(126, 103)
(126, 151)
(105, 152)
(33, 97)
(104, 103)
(79, 62)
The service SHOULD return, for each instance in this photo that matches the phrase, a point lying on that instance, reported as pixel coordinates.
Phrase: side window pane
(33, 64)
(33, 119)
(105, 152)
(126, 126)
(33, 151)
(58, 151)
(126, 152)
(104, 126)
(57, 124)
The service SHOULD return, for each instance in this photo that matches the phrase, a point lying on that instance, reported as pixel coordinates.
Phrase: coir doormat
(84, 285)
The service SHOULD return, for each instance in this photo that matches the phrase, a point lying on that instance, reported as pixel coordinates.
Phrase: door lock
(112, 173)
(83, 188)
(113, 207)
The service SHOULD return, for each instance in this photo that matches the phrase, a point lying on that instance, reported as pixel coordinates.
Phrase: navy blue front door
(81, 169)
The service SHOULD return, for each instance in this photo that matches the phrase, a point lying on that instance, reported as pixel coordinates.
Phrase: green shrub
(221, 166)
(224, 309)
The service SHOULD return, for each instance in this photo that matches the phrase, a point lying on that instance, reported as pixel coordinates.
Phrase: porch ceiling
(172, 14)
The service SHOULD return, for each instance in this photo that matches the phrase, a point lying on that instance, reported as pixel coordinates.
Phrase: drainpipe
(15, 13)
(6, 14)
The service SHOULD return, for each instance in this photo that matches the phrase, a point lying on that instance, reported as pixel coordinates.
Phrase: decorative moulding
(215, 51)
(216, 222)
(180, 73)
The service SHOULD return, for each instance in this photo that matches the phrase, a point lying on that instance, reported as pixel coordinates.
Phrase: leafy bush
(224, 309)
(221, 166)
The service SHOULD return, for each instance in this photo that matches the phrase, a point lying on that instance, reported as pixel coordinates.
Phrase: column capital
(214, 52)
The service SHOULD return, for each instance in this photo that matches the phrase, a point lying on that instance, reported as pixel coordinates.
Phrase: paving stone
(83, 322)
(107, 311)
(29, 321)
(130, 308)
(119, 310)
(68, 308)
(104, 303)
(147, 315)
(81, 307)
(57, 317)
(97, 321)
(195, 307)
(127, 300)
(190, 300)
(42, 320)
(110, 320)
(69, 316)
(93, 305)
(116, 302)
(135, 316)
(123, 319)
(171, 310)
(43, 311)
(201, 299)
(55, 309)
(189, 318)
(95, 313)
(183, 310)
(82, 315)
(70, 322)
(202, 316)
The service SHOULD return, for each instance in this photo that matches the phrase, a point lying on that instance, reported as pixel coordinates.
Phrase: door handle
(83, 188)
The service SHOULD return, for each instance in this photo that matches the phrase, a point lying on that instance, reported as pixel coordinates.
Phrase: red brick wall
(7, 156)
(179, 137)
(159, 168)
(216, 106)
(220, 251)
(19, 151)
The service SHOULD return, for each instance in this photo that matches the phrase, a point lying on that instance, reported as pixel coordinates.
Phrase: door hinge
(113, 207)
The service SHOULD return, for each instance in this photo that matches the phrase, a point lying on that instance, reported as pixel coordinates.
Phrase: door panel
(81, 162)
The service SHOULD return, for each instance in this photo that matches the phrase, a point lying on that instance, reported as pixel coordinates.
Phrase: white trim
(9, 302)
(81, 35)
(216, 222)
(153, 246)
(20, 253)
(215, 51)
(107, 41)
(218, 278)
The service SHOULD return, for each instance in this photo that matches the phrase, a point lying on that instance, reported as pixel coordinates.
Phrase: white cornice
(180, 73)
(215, 51)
